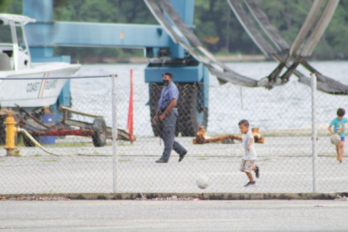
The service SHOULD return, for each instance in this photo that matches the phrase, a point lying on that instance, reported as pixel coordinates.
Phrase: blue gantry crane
(174, 48)
(190, 74)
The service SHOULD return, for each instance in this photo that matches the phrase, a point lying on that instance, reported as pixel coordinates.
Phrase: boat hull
(38, 92)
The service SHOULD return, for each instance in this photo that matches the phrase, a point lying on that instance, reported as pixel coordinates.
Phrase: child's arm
(330, 129)
(251, 140)
(332, 123)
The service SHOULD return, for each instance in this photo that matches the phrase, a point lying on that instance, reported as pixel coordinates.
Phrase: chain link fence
(85, 162)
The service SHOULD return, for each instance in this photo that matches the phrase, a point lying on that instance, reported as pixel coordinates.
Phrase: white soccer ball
(202, 182)
(335, 139)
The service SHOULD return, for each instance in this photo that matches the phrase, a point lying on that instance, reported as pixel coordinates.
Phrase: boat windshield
(12, 34)
(5, 34)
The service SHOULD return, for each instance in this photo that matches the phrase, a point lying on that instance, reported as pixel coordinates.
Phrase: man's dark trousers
(168, 133)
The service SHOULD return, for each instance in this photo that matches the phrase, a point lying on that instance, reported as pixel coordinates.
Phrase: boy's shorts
(247, 165)
(342, 139)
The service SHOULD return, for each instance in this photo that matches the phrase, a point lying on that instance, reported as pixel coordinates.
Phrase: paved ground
(174, 216)
(285, 167)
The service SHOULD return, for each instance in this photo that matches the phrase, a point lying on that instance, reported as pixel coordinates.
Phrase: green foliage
(216, 25)
(211, 19)
(105, 11)
(11, 6)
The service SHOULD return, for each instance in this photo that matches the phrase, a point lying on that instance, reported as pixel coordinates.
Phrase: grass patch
(123, 144)
(151, 196)
(76, 144)
(69, 144)
(266, 159)
(217, 197)
(80, 197)
(49, 160)
(38, 155)
(280, 134)
(20, 142)
(285, 197)
(18, 154)
(141, 156)
(201, 158)
(101, 197)
(286, 135)
(323, 197)
(50, 192)
(125, 160)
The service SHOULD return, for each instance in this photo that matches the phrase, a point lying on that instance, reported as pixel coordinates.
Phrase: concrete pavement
(267, 215)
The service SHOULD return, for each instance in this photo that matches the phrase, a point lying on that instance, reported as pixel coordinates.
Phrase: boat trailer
(97, 130)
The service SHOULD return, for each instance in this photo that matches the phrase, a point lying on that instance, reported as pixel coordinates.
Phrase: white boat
(15, 61)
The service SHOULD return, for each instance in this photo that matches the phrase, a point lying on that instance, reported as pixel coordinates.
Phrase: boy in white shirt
(248, 162)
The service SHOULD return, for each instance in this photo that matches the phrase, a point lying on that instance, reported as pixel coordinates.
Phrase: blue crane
(190, 74)
(178, 50)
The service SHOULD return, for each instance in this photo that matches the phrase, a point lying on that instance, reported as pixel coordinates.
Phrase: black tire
(27, 142)
(191, 112)
(99, 132)
(2, 130)
(155, 94)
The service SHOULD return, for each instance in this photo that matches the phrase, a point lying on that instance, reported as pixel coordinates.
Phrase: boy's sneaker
(250, 184)
(257, 171)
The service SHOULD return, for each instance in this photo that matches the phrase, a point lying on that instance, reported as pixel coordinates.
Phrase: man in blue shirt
(166, 117)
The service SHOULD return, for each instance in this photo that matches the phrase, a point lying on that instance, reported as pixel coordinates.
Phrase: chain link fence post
(114, 134)
(314, 129)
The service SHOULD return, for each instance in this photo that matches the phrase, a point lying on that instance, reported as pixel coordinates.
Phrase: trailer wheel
(2, 130)
(27, 142)
(99, 134)
(155, 94)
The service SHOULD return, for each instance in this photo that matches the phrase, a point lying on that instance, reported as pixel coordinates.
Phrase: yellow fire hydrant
(11, 132)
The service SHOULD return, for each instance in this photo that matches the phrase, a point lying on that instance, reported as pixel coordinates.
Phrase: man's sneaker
(182, 156)
(257, 171)
(161, 161)
(250, 184)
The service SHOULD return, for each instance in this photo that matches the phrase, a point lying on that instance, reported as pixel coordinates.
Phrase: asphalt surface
(270, 215)
(285, 168)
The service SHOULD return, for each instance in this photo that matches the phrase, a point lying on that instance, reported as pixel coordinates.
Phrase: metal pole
(114, 134)
(14, 45)
(314, 130)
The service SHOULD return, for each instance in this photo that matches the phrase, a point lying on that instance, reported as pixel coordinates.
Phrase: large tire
(191, 112)
(155, 94)
(2, 130)
(100, 132)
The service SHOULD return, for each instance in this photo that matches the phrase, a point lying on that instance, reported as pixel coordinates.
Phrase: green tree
(216, 25)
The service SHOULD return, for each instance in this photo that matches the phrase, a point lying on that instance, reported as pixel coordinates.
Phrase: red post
(130, 121)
